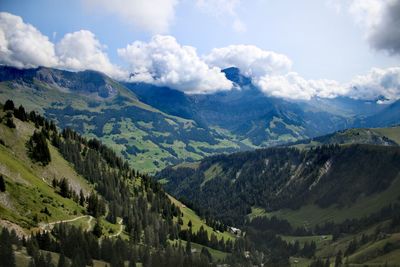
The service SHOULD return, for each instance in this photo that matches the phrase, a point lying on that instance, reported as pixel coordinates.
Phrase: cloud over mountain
(376, 83)
(293, 86)
(163, 61)
(81, 50)
(22, 45)
(250, 59)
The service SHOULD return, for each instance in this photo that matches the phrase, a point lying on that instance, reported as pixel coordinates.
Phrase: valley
(201, 133)
(298, 197)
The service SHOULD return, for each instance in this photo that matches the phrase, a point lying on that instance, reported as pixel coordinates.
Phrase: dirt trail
(48, 226)
(121, 228)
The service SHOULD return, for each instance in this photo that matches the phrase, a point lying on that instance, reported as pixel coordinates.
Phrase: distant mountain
(154, 127)
(85, 82)
(386, 117)
(97, 106)
(373, 136)
(244, 111)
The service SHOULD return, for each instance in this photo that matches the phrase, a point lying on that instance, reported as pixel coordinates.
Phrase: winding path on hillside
(121, 228)
(48, 226)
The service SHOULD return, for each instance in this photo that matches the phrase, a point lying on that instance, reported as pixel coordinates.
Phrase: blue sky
(323, 39)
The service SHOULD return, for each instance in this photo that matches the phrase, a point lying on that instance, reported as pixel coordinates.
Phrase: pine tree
(2, 184)
(62, 261)
(7, 257)
(97, 229)
(64, 188)
(9, 105)
(10, 123)
(20, 113)
(338, 260)
(38, 149)
(81, 198)
(188, 247)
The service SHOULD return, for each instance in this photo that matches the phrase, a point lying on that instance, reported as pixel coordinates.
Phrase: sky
(291, 49)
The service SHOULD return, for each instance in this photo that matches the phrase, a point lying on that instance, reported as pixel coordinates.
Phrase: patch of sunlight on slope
(310, 215)
(197, 222)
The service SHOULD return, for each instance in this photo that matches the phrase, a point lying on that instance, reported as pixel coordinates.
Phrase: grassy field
(392, 133)
(138, 137)
(216, 254)
(28, 185)
(190, 215)
(310, 215)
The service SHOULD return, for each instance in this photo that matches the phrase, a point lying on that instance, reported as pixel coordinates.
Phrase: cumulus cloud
(272, 73)
(221, 9)
(81, 50)
(163, 61)
(381, 20)
(155, 16)
(376, 84)
(22, 45)
(293, 86)
(251, 60)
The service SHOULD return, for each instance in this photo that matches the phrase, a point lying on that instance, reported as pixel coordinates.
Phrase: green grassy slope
(28, 184)
(147, 137)
(372, 136)
(311, 215)
(197, 222)
(29, 189)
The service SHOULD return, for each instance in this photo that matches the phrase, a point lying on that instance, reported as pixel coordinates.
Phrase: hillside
(373, 136)
(97, 106)
(334, 201)
(84, 191)
(247, 113)
(155, 127)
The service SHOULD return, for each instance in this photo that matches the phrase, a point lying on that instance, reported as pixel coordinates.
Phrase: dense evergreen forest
(146, 211)
(156, 236)
(151, 219)
(226, 187)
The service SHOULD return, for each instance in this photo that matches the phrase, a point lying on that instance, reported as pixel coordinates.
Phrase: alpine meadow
(204, 133)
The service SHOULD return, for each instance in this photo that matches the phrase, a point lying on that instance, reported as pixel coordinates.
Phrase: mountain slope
(372, 136)
(84, 184)
(154, 127)
(250, 115)
(279, 178)
(97, 106)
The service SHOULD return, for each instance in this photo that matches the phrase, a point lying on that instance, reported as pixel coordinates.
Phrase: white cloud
(293, 86)
(221, 9)
(163, 61)
(81, 50)
(381, 21)
(22, 45)
(376, 83)
(251, 60)
(155, 16)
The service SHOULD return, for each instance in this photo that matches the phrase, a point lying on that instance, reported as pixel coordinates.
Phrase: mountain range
(260, 180)
(154, 127)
